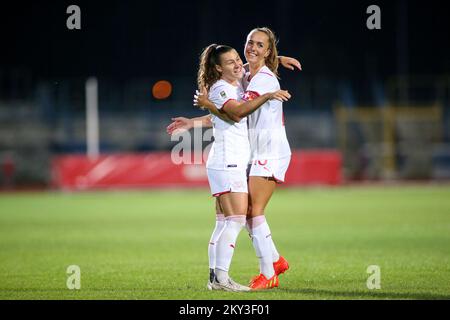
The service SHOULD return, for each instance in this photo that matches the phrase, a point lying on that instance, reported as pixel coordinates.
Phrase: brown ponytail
(210, 57)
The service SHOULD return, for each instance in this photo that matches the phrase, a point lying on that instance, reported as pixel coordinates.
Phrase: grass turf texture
(153, 244)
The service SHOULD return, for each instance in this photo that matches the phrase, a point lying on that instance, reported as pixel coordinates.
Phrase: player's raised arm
(290, 63)
(235, 109)
(182, 124)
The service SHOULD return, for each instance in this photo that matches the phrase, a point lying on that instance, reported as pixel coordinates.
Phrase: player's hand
(281, 95)
(290, 63)
(201, 98)
(179, 125)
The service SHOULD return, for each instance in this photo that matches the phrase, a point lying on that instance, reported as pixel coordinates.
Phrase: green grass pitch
(153, 244)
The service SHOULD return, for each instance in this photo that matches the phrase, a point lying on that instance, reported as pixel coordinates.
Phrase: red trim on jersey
(227, 102)
(250, 95)
(221, 193)
(277, 180)
(262, 162)
(282, 119)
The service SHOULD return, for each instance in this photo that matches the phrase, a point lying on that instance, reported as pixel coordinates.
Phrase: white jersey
(267, 133)
(231, 147)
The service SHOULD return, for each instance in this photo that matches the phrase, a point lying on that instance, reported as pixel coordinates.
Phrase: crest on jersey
(250, 95)
(223, 94)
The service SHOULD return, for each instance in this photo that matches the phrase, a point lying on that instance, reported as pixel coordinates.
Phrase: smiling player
(220, 72)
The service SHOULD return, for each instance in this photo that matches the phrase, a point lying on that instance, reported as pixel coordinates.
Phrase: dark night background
(130, 45)
(124, 39)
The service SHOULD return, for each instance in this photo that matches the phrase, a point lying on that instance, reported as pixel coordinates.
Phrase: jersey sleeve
(260, 84)
(221, 94)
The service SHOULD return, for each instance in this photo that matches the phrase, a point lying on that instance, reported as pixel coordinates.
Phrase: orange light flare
(162, 89)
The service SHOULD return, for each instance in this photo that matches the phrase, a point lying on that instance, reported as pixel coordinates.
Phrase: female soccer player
(220, 72)
(270, 148)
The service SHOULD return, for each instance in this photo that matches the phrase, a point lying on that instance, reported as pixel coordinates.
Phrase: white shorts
(225, 181)
(274, 168)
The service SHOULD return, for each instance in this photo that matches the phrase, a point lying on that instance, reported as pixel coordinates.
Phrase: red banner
(78, 172)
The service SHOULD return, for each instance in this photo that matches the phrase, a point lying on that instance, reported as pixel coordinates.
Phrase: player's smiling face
(257, 47)
(230, 66)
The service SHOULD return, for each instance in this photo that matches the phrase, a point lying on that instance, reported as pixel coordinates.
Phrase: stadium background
(369, 106)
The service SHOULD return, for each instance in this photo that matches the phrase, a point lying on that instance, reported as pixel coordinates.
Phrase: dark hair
(210, 57)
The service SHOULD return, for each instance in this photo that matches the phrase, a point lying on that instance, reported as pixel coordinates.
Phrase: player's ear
(267, 53)
(218, 68)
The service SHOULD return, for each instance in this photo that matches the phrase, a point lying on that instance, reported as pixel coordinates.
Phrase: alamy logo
(182, 152)
(189, 149)
(374, 21)
(74, 20)
(74, 279)
(374, 280)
